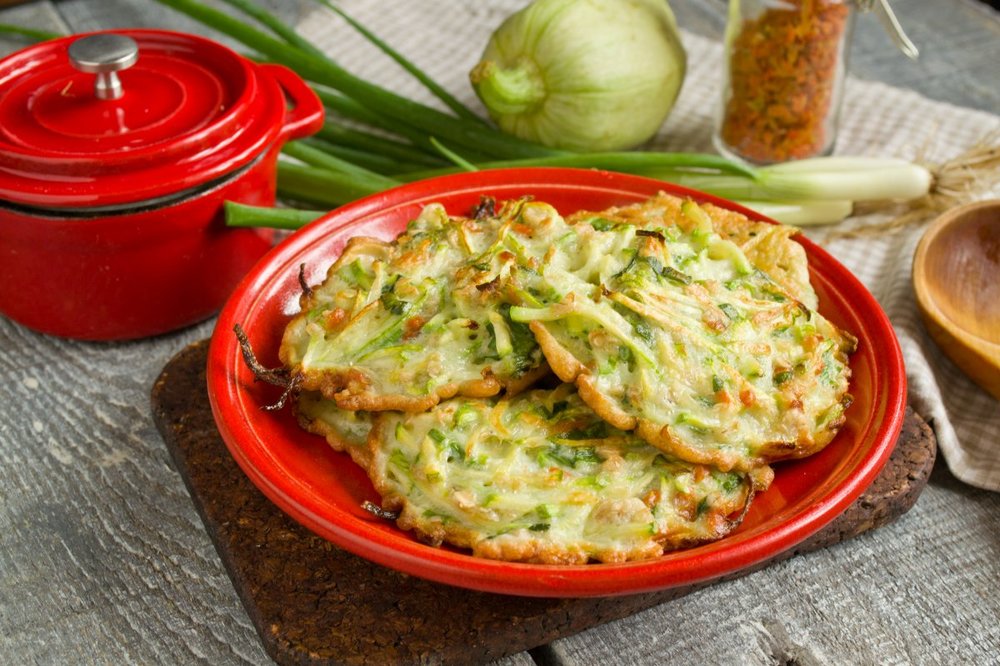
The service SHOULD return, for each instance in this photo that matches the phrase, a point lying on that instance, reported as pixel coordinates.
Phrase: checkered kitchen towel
(446, 39)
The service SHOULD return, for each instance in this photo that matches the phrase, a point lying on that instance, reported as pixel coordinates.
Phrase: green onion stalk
(28, 34)
(375, 139)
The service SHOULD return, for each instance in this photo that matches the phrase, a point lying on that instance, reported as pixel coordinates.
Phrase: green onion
(352, 110)
(802, 213)
(242, 215)
(318, 158)
(272, 22)
(453, 156)
(372, 161)
(839, 178)
(30, 33)
(642, 163)
(326, 188)
(340, 135)
(415, 71)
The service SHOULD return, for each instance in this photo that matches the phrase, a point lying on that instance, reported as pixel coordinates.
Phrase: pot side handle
(305, 112)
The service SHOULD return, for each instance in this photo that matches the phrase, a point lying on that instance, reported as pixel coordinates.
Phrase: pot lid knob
(104, 54)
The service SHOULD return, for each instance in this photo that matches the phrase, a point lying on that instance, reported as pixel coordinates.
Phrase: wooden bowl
(956, 277)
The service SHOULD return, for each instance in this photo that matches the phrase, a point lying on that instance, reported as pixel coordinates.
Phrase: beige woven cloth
(446, 37)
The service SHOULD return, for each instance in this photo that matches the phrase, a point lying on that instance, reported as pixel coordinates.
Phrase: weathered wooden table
(104, 560)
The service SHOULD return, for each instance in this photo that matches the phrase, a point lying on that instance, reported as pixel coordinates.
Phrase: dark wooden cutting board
(313, 603)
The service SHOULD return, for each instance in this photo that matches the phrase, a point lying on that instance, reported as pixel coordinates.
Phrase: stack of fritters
(685, 336)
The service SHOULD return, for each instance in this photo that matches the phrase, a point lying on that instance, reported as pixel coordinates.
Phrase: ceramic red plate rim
(237, 415)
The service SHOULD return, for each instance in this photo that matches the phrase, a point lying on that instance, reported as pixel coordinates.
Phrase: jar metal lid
(891, 24)
(84, 122)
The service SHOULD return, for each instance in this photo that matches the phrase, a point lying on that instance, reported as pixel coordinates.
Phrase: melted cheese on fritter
(670, 330)
(402, 325)
(766, 246)
(344, 430)
(540, 478)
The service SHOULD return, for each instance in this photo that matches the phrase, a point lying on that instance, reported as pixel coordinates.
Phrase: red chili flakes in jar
(786, 66)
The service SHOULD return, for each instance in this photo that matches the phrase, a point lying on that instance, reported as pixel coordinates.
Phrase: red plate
(324, 490)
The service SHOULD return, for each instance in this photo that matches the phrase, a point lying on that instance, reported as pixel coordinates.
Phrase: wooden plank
(102, 558)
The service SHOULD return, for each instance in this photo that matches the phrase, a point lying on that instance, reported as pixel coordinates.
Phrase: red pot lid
(188, 111)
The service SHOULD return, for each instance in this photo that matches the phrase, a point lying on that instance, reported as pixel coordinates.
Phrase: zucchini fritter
(540, 478)
(668, 329)
(405, 324)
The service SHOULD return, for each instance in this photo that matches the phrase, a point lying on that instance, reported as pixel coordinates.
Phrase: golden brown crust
(375, 402)
(563, 363)
(770, 249)
(363, 337)
(761, 477)
(522, 546)
(356, 247)
(514, 550)
(361, 455)
(516, 385)
(349, 390)
(768, 246)
(604, 407)
(570, 370)
(486, 387)
(376, 436)
(663, 439)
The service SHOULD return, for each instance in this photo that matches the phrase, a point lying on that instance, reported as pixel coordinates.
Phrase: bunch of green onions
(375, 139)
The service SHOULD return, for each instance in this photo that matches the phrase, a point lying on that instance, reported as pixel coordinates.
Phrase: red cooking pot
(117, 151)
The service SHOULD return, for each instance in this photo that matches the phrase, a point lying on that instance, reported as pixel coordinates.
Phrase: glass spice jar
(786, 61)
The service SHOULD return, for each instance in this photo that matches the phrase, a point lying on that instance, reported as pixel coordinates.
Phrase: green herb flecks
(569, 456)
